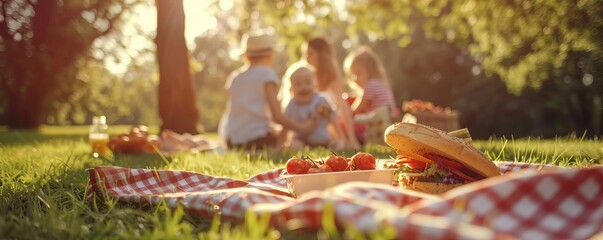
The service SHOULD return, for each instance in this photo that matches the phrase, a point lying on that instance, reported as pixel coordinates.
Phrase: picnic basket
(426, 113)
(445, 121)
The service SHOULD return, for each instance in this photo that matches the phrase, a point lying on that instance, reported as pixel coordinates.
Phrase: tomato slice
(420, 159)
(445, 162)
(461, 174)
(401, 160)
(452, 164)
(415, 164)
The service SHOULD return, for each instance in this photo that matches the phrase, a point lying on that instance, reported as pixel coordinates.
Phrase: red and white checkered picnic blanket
(542, 202)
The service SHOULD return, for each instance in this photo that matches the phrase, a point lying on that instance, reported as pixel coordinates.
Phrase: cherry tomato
(326, 167)
(363, 161)
(337, 163)
(297, 165)
(320, 169)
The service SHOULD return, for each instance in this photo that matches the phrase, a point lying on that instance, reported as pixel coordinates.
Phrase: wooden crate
(445, 121)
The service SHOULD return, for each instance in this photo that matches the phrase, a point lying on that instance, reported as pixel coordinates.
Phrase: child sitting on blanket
(366, 72)
(252, 107)
(305, 103)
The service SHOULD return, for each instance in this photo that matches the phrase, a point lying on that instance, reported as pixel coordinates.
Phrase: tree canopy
(510, 67)
(40, 44)
(546, 54)
(524, 42)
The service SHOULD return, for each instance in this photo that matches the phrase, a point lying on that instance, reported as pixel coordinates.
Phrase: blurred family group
(307, 107)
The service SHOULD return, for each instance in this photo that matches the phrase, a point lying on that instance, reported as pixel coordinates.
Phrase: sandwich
(432, 161)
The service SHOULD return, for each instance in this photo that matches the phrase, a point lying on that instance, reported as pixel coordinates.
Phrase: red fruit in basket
(326, 167)
(363, 161)
(122, 144)
(337, 163)
(137, 139)
(297, 165)
(151, 144)
(320, 169)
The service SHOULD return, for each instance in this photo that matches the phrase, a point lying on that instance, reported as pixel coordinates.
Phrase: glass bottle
(99, 136)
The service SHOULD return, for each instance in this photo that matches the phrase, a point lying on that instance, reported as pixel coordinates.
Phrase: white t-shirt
(247, 115)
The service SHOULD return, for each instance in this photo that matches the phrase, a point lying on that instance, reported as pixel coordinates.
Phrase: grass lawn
(43, 180)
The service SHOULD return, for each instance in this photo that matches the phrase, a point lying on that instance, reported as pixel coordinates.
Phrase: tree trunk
(25, 112)
(176, 96)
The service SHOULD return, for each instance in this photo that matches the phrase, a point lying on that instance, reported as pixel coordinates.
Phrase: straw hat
(257, 43)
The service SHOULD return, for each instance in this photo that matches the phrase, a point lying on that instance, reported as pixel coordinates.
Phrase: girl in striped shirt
(366, 71)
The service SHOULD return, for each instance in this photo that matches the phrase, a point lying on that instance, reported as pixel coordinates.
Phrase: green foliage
(547, 54)
(41, 44)
(562, 105)
(292, 21)
(464, 54)
(524, 42)
(375, 19)
(212, 52)
(128, 100)
(43, 182)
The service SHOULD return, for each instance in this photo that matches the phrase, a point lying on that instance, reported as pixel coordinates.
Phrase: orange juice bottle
(99, 136)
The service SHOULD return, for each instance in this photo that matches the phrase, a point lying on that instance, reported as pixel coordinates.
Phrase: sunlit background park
(524, 77)
(515, 69)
